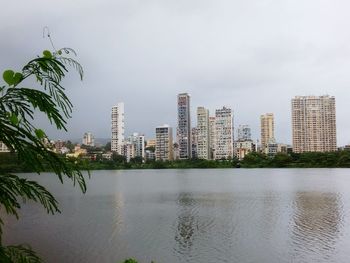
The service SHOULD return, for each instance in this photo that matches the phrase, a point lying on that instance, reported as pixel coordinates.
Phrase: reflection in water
(270, 213)
(317, 219)
(204, 227)
(186, 223)
(117, 220)
(194, 216)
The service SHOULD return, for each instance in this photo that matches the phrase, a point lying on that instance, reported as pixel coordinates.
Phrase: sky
(250, 55)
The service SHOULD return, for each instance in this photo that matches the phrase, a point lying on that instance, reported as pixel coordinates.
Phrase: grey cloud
(251, 55)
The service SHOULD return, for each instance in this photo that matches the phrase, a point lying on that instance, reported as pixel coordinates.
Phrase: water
(229, 215)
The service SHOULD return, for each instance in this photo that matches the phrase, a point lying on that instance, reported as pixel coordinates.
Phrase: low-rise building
(242, 148)
(64, 150)
(58, 146)
(151, 143)
(78, 152)
(271, 148)
(282, 148)
(107, 155)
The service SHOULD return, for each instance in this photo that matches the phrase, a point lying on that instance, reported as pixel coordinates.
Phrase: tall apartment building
(224, 133)
(212, 132)
(184, 126)
(164, 143)
(203, 150)
(88, 139)
(118, 128)
(194, 142)
(138, 142)
(267, 130)
(128, 150)
(314, 124)
(243, 133)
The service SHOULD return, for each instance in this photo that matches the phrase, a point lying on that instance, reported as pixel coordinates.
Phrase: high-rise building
(203, 150)
(128, 150)
(194, 142)
(184, 126)
(243, 133)
(267, 130)
(224, 133)
(314, 124)
(212, 132)
(88, 139)
(118, 128)
(164, 143)
(138, 142)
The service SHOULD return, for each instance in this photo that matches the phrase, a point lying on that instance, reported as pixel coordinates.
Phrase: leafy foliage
(298, 160)
(20, 254)
(130, 260)
(17, 107)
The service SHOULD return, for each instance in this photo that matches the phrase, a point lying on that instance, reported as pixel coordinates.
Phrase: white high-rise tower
(118, 128)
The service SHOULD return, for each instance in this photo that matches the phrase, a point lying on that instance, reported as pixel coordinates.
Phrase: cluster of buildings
(313, 128)
(131, 147)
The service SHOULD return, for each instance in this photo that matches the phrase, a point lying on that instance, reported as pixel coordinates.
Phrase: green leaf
(47, 54)
(14, 119)
(18, 77)
(8, 76)
(40, 133)
(11, 77)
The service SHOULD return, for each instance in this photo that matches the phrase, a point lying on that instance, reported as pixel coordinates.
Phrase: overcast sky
(250, 55)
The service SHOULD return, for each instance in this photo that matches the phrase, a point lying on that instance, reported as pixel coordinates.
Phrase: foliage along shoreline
(340, 159)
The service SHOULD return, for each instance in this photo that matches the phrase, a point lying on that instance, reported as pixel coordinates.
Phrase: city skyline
(238, 130)
(251, 56)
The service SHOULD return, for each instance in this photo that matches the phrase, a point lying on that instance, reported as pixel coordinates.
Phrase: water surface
(209, 215)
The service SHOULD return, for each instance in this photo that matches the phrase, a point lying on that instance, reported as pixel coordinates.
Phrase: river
(193, 215)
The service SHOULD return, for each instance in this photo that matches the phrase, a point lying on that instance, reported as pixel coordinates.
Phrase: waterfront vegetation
(10, 163)
(18, 105)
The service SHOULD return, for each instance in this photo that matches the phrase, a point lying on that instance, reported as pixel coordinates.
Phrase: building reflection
(204, 226)
(186, 223)
(316, 223)
(118, 218)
